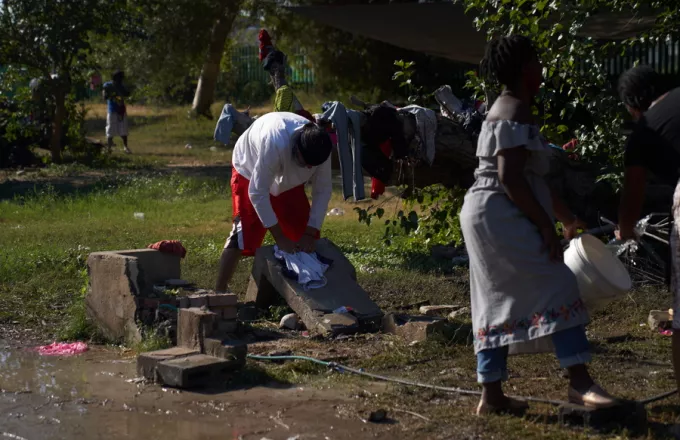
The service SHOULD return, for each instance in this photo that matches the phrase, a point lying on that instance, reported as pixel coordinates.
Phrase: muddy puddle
(96, 395)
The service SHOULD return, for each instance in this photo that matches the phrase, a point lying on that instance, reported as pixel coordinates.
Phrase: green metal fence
(247, 67)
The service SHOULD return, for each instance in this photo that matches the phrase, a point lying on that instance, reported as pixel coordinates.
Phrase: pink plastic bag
(62, 349)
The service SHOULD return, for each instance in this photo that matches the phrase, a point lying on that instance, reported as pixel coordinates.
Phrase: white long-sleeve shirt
(264, 155)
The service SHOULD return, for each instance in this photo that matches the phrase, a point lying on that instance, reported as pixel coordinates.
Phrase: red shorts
(291, 209)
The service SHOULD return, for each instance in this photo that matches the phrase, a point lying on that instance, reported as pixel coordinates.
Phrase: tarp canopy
(443, 29)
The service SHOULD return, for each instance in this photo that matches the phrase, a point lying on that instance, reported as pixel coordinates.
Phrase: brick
(198, 301)
(340, 323)
(147, 363)
(228, 313)
(227, 327)
(184, 302)
(222, 300)
(414, 328)
(194, 371)
(193, 326)
(232, 350)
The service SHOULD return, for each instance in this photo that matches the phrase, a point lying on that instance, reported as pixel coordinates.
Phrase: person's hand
(285, 244)
(571, 229)
(307, 243)
(551, 243)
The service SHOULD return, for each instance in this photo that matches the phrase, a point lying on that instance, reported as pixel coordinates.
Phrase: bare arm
(632, 199)
(511, 164)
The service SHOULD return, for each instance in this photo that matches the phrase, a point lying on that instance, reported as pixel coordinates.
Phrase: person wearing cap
(271, 163)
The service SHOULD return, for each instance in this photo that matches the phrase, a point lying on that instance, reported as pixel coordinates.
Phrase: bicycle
(645, 258)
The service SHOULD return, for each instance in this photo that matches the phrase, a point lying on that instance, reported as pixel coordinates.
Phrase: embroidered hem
(540, 324)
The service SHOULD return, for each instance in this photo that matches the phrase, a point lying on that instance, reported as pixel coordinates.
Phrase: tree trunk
(205, 90)
(58, 125)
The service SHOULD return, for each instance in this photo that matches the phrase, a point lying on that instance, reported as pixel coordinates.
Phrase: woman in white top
(521, 290)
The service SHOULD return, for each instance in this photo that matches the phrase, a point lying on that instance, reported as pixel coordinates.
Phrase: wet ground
(96, 395)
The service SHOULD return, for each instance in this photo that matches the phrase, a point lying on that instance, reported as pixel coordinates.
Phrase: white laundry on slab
(309, 270)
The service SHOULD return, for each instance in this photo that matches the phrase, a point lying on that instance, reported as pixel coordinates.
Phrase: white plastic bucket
(601, 277)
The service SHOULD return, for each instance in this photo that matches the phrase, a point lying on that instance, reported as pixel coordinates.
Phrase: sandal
(594, 397)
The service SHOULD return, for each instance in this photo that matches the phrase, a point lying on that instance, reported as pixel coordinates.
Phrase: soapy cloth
(62, 349)
(307, 269)
(169, 247)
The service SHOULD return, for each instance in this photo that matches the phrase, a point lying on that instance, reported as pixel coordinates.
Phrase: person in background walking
(653, 146)
(521, 290)
(116, 116)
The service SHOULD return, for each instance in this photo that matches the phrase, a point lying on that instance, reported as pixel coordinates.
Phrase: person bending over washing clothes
(653, 146)
(521, 289)
(271, 163)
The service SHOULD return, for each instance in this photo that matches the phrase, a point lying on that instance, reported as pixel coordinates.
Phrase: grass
(64, 213)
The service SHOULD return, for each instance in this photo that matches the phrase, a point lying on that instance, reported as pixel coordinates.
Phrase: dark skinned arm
(511, 163)
(632, 199)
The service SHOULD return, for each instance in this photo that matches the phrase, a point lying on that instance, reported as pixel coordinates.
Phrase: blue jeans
(571, 348)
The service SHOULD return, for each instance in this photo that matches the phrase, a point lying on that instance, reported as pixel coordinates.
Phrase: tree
(52, 40)
(205, 90)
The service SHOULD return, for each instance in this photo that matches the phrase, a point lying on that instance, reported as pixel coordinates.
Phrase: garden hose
(343, 368)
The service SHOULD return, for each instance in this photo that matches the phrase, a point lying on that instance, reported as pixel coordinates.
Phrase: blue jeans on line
(571, 347)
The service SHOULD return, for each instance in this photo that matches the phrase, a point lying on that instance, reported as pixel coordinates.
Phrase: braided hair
(505, 57)
(639, 87)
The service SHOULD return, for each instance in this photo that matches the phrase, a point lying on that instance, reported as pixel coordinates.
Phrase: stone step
(147, 363)
(314, 306)
(195, 371)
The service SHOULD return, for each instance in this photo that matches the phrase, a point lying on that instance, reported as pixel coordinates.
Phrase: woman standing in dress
(521, 290)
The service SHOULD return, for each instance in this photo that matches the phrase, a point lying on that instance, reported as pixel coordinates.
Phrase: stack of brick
(207, 352)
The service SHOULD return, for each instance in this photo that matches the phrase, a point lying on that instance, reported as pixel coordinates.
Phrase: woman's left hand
(571, 229)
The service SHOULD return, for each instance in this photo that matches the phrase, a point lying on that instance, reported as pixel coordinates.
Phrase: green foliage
(51, 40)
(405, 77)
(429, 216)
(578, 99)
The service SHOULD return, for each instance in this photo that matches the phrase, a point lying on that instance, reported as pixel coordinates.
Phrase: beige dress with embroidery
(517, 293)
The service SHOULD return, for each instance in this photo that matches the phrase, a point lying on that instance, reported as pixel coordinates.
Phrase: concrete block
(227, 327)
(340, 323)
(155, 266)
(184, 302)
(222, 300)
(194, 371)
(232, 350)
(147, 363)
(312, 305)
(117, 280)
(228, 313)
(198, 301)
(193, 326)
(438, 310)
(414, 328)
(462, 313)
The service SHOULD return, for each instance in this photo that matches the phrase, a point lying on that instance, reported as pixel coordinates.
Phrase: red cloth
(378, 187)
(265, 44)
(291, 209)
(169, 247)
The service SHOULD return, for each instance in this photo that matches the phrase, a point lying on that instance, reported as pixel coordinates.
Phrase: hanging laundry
(306, 269)
(427, 129)
(349, 149)
(378, 187)
(169, 247)
(266, 45)
(231, 120)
